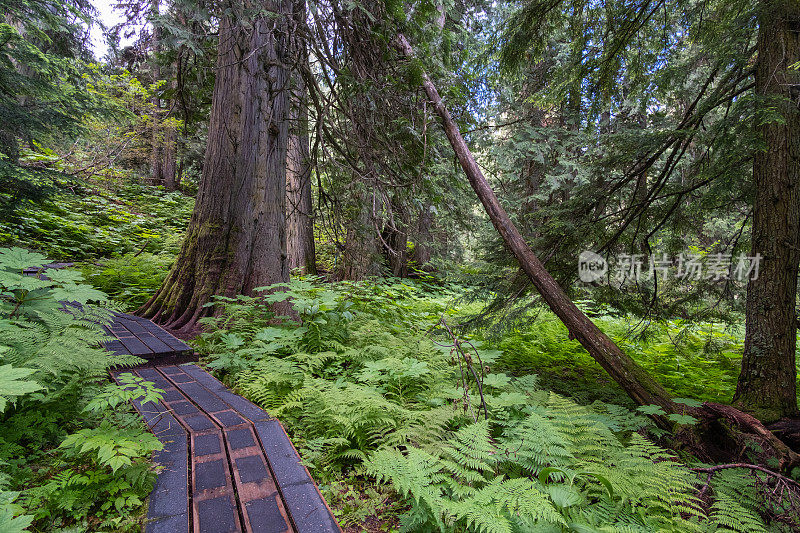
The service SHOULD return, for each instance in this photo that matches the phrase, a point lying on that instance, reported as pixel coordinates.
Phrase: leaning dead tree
(631, 377)
(636, 382)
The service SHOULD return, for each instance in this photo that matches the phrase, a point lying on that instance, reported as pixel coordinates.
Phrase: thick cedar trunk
(299, 210)
(639, 385)
(236, 239)
(767, 383)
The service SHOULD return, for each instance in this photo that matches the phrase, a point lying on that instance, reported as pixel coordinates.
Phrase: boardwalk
(227, 465)
(141, 337)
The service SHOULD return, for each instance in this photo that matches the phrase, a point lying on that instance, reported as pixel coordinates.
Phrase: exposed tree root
(725, 435)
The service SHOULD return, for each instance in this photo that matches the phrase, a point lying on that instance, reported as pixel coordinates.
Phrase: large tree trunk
(639, 385)
(236, 239)
(299, 210)
(360, 257)
(767, 383)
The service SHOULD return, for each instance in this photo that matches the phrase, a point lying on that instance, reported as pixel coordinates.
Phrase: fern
(52, 366)
(736, 503)
(364, 389)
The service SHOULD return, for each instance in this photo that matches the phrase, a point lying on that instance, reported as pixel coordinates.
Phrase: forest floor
(371, 393)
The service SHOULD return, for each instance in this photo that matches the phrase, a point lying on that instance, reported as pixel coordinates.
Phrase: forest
(494, 266)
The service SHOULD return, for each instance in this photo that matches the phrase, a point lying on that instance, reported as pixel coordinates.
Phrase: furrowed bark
(299, 209)
(236, 239)
(156, 170)
(768, 379)
(636, 382)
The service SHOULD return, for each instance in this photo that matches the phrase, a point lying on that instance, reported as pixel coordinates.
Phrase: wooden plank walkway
(141, 337)
(227, 465)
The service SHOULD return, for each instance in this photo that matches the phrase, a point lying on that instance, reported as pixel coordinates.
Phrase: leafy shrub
(69, 453)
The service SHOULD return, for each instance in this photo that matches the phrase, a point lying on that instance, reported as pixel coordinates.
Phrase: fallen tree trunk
(634, 380)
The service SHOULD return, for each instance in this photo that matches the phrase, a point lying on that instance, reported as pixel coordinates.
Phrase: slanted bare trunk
(767, 383)
(236, 239)
(639, 385)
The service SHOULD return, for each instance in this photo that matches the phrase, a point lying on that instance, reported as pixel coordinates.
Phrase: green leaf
(17, 281)
(65, 275)
(78, 293)
(13, 384)
(20, 258)
(683, 419)
(691, 402)
(497, 381)
(11, 524)
(651, 410)
(544, 475)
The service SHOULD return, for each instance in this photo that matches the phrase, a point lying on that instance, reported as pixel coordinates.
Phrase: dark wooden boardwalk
(141, 337)
(227, 465)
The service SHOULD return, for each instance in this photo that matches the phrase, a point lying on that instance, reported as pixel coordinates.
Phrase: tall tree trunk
(360, 256)
(169, 168)
(156, 170)
(423, 239)
(767, 383)
(299, 210)
(639, 385)
(236, 239)
(169, 148)
(395, 239)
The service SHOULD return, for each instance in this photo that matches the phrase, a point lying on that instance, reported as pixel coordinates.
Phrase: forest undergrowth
(377, 394)
(376, 382)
